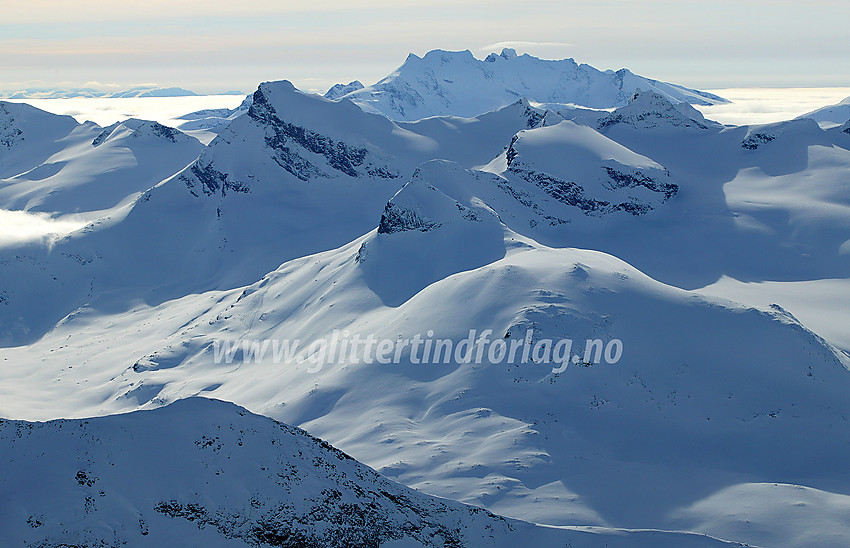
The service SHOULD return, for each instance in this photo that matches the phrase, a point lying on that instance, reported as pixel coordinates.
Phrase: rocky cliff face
(10, 133)
(305, 153)
(589, 180)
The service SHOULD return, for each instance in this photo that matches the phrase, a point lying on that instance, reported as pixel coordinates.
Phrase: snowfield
(717, 255)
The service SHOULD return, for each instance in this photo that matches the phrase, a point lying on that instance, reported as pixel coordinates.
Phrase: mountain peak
(802, 129)
(456, 83)
(140, 129)
(154, 475)
(507, 53)
(585, 171)
(649, 109)
(339, 90)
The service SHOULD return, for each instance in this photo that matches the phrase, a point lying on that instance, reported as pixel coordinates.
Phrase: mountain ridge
(457, 83)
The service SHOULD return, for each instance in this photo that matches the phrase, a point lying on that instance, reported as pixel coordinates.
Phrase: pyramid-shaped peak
(649, 109)
(140, 129)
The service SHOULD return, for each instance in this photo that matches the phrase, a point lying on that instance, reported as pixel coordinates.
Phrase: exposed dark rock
(573, 194)
(399, 219)
(286, 137)
(10, 134)
(636, 179)
(755, 140)
(139, 129)
(210, 181)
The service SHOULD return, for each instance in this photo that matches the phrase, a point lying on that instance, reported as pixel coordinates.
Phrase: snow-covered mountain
(456, 83)
(210, 119)
(648, 110)
(338, 90)
(98, 168)
(28, 136)
(831, 116)
(203, 472)
(307, 216)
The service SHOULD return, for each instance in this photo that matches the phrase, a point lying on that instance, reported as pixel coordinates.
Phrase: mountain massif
(716, 256)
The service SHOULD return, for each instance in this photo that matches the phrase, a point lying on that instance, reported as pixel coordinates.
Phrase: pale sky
(214, 46)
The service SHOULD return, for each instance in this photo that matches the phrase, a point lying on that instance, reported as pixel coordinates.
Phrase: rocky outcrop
(10, 133)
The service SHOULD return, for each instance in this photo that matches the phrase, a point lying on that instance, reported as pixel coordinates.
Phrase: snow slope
(100, 167)
(28, 136)
(456, 83)
(831, 116)
(295, 175)
(705, 388)
(212, 119)
(700, 377)
(202, 472)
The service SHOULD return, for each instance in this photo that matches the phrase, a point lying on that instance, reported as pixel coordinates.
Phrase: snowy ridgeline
(203, 472)
(308, 215)
(456, 83)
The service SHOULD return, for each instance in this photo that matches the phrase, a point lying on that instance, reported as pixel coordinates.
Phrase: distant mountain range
(66, 93)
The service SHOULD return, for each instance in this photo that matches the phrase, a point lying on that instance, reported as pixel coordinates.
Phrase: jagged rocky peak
(140, 129)
(290, 133)
(340, 90)
(579, 167)
(846, 127)
(209, 473)
(805, 129)
(648, 110)
(338, 131)
(536, 116)
(280, 102)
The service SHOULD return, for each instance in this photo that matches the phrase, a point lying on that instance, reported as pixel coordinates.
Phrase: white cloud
(17, 227)
(767, 105)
